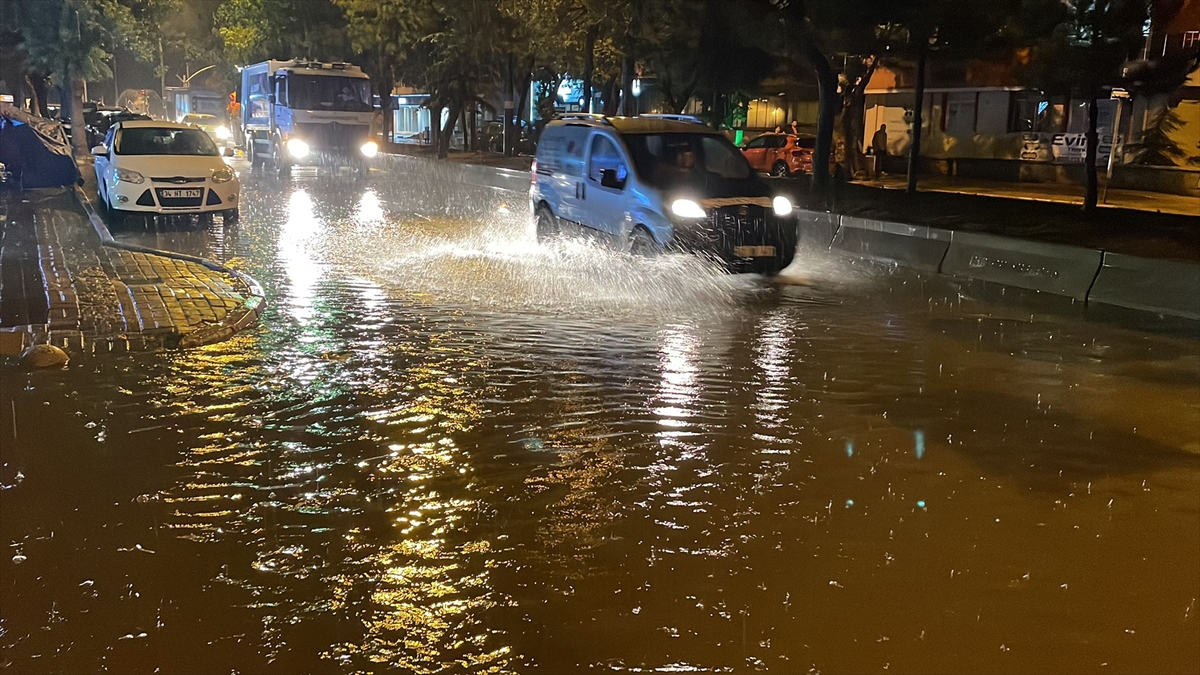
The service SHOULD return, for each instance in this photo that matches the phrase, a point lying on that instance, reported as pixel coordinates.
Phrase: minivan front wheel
(641, 243)
(547, 225)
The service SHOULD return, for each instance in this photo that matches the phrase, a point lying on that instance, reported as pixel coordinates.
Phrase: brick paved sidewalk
(101, 298)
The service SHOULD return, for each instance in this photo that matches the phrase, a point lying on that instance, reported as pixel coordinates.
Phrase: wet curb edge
(235, 321)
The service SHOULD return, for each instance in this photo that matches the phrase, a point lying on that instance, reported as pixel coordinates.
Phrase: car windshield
(673, 160)
(163, 141)
(201, 120)
(329, 92)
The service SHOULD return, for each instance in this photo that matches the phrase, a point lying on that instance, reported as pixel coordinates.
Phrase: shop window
(960, 113)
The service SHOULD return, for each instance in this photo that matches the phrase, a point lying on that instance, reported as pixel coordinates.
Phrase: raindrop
(919, 442)
(18, 559)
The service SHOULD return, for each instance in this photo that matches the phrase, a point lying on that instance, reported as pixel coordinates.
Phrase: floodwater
(446, 449)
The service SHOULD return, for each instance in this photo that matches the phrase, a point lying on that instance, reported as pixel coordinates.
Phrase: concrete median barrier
(1170, 287)
(817, 229)
(915, 246)
(1039, 266)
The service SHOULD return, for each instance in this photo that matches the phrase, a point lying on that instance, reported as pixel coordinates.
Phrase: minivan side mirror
(608, 179)
(100, 150)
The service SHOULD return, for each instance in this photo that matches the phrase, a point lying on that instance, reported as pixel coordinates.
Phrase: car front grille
(177, 180)
(727, 227)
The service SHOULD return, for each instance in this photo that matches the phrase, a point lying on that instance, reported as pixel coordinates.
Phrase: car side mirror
(100, 150)
(228, 152)
(608, 179)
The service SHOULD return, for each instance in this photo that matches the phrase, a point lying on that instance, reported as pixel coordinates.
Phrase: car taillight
(533, 173)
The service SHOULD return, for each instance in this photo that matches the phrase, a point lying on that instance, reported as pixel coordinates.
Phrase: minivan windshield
(670, 160)
(164, 141)
(329, 92)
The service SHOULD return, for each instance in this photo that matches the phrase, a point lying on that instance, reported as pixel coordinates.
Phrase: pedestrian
(795, 128)
(778, 129)
(879, 148)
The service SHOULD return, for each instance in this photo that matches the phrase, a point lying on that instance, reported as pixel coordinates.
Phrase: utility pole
(162, 79)
(116, 89)
(914, 150)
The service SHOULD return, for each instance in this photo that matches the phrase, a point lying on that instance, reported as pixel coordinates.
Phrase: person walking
(879, 144)
(795, 128)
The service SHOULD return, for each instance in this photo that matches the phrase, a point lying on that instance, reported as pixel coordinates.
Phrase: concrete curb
(1051, 268)
(237, 320)
(1160, 286)
(1163, 287)
(915, 246)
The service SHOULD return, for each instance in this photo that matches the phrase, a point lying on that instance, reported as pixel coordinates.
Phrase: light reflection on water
(448, 449)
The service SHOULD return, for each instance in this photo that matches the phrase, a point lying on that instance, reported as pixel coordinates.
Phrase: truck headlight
(223, 175)
(370, 149)
(782, 206)
(686, 208)
(297, 148)
(223, 133)
(128, 176)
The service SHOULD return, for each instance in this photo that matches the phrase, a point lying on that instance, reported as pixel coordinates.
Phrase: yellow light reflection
(295, 244)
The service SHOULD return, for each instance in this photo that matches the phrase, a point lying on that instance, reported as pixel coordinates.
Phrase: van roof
(636, 125)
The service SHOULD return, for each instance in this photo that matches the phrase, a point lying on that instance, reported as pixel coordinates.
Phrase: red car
(780, 154)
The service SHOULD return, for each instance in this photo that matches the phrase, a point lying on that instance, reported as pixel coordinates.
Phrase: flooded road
(446, 449)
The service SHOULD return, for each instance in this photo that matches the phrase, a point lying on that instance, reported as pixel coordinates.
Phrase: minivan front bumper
(736, 236)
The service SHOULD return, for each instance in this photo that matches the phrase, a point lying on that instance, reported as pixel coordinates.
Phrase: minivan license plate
(168, 194)
(754, 251)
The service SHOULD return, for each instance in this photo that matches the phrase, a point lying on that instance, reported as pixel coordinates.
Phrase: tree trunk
(447, 134)
(627, 86)
(589, 66)
(435, 125)
(522, 100)
(611, 97)
(829, 102)
(510, 125)
(1091, 193)
(914, 149)
(78, 129)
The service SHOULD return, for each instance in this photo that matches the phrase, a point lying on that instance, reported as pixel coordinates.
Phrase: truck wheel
(256, 159)
(282, 167)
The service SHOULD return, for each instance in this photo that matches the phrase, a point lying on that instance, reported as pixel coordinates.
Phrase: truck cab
(307, 112)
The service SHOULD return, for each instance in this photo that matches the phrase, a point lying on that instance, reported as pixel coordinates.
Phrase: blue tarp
(35, 150)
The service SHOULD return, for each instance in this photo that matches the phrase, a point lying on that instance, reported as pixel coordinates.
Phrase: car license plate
(169, 194)
(754, 251)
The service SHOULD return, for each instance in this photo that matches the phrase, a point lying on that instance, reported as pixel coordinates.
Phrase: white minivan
(659, 183)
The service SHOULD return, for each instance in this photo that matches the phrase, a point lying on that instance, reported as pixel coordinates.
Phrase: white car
(153, 167)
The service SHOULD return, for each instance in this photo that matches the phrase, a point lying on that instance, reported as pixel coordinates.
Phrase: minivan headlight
(369, 149)
(222, 175)
(686, 208)
(782, 206)
(297, 148)
(223, 133)
(127, 176)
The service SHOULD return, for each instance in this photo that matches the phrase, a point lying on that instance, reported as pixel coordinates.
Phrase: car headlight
(297, 148)
(223, 175)
(782, 206)
(129, 176)
(223, 133)
(686, 208)
(370, 149)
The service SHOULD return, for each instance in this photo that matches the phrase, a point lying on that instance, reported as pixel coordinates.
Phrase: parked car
(212, 125)
(780, 154)
(491, 138)
(659, 183)
(104, 120)
(155, 167)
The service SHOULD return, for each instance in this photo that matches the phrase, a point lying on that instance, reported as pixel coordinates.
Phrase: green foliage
(1157, 147)
(1076, 47)
(254, 30)
(79, 35)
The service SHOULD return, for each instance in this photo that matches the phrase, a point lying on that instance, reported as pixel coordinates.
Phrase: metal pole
(914, 150)
(1112, 147)
(162, 79)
